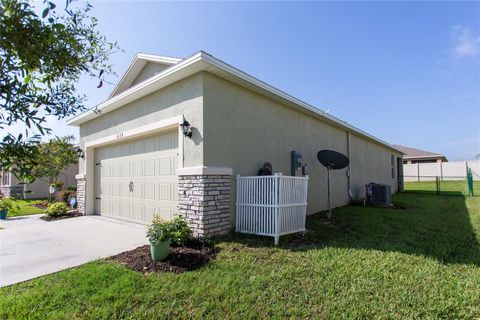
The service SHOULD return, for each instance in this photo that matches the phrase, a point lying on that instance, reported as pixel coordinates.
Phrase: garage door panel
(126, 169)
(137, 212)
(149, 168)
(138, 168)
(137, 190)
(150, 163)
(149, 191)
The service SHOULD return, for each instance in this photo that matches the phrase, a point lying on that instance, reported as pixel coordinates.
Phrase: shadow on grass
(434, 193)
(431, 225)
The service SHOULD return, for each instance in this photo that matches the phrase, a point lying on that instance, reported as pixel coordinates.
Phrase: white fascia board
(204, 61)
(137, 65)
(432, 156)
(286, 97)
(159, 59)
(168, 76)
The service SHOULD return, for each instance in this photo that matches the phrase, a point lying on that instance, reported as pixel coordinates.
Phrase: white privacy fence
(455, 170)
(271, 205)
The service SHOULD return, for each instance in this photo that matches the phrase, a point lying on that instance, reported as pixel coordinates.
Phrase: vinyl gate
(271, 205)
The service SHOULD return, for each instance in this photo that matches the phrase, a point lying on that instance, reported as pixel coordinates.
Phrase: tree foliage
(54, 157)
(42, 57)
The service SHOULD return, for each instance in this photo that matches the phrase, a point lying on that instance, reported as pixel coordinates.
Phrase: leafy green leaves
(42, 59)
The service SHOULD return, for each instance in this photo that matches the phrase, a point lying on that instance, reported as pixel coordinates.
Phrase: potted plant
(162, 233)
(5, 205)
(55, 185)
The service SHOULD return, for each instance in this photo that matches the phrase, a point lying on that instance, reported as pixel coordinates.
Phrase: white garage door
(137, 180)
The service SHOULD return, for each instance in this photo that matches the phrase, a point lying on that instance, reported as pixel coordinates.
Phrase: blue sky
(406, 72)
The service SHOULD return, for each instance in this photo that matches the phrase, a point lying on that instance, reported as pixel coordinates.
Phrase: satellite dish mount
(331, 160)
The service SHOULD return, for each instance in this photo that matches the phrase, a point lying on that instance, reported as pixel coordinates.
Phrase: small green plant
(7, 204)
(56, 209)
(176, 231)
(71, 188)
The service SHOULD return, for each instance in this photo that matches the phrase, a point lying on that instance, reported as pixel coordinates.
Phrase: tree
(54, 157)
(42, 57)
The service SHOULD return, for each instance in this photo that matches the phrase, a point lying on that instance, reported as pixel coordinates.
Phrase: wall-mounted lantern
(80, 152)
(186, 129)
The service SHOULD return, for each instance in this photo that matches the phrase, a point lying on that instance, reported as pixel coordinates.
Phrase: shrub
(7, 204)
(176, 231)
(56, 209)
(57, 184)
(71, 188)
(65, 195)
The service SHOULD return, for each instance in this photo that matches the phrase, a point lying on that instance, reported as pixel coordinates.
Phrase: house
(138, 162)
(412, 155)
(10, 186)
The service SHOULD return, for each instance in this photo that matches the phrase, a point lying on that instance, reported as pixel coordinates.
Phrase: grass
(455, 188)
(420, 262)
(24, 208)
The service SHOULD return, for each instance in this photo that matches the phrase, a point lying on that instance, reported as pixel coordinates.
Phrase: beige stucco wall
(40, 188)
(149, 70)
(370, 162)
(183, 97)
(237, 128)
(244, 129)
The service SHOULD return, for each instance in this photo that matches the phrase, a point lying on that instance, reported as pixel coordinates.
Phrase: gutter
(205, 62)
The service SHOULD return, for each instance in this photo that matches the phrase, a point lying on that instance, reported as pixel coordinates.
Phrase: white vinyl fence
(271, 205)
(455, 170)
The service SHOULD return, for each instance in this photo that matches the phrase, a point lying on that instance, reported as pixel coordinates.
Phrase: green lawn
(446, 187)
(419, 262)
(24, 208)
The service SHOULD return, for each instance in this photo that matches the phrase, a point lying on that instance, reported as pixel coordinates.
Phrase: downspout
(349, 170)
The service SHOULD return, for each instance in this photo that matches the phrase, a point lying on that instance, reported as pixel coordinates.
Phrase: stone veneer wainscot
(205, 201)
(81, 194)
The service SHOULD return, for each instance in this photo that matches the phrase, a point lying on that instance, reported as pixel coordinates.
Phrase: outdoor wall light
(80, 152)
(186, 130)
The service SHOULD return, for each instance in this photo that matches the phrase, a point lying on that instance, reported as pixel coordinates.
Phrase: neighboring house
(412, 155)
(11, 187)
(138, 163)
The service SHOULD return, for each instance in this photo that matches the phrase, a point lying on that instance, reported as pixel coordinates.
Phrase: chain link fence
(446, 185)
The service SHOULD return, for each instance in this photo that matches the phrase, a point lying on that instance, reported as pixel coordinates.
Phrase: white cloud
(466, 43)
(466, 96)
(474, 140)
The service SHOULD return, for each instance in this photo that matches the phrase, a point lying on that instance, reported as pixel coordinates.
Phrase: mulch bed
(193, 255)
(70, 214)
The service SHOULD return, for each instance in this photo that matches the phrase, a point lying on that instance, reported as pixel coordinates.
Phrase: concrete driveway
(31, 247)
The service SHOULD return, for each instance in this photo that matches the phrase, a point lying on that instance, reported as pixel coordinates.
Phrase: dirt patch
(193, 255)
(39, 206)
(68, 215)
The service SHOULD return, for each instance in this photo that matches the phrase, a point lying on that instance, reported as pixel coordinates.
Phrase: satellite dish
(332, 160)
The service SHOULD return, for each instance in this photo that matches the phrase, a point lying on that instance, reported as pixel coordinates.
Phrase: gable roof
(202, 61)
(417, 153)
(136, 66)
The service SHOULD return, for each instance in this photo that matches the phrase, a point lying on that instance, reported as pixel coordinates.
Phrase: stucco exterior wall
(149, 70)
(40, 188)
(370, 162)
(183, 97)
(242, 130)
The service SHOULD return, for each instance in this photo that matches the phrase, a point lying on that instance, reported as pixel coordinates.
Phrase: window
(392, 164)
